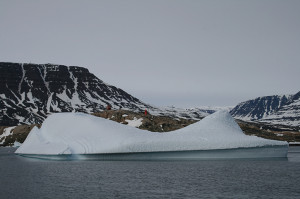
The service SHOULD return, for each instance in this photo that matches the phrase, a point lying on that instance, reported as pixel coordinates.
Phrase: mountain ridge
(274, 109)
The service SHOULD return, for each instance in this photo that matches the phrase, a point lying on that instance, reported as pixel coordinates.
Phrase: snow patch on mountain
(6, 132)
(135, 122)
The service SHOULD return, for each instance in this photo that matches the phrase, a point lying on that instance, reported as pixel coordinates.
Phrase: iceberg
(216, 136)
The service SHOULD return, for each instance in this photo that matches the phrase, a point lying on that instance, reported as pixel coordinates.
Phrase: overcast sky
(164, 52)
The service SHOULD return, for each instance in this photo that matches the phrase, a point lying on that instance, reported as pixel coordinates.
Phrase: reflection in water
(294, 154)
(273, 152)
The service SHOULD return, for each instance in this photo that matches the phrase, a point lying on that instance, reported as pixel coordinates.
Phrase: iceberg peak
(223, 118)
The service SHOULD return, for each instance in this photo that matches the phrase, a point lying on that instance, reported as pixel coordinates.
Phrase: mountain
(276, 110)
(30, 92)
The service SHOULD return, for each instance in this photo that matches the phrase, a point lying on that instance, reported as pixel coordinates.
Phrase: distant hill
(275, 109)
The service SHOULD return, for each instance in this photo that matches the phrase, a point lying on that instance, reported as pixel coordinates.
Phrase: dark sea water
(22, 177)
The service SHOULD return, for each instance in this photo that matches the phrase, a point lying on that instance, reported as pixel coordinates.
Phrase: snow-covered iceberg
(78, 133)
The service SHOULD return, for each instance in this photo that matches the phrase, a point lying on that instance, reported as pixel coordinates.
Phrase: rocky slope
(276, 110)
(147, 122)
(14, 135)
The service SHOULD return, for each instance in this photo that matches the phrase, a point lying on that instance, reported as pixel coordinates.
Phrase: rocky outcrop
(10, 136)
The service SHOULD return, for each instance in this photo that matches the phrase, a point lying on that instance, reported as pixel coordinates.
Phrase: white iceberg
(78, 133)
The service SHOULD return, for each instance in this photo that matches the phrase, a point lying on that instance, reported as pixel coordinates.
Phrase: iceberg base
(237, 153)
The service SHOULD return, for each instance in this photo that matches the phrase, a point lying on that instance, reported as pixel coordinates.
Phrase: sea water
(22, 177)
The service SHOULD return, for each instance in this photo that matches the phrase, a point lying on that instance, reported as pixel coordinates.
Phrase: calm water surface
(22, 177)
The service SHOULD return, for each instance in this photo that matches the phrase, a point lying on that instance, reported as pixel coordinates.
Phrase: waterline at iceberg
(78, 133)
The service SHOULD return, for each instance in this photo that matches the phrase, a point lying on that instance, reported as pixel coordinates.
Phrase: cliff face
(29, 92)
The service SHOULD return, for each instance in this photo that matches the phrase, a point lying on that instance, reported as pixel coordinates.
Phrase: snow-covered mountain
(30, 92)
(276, 109)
